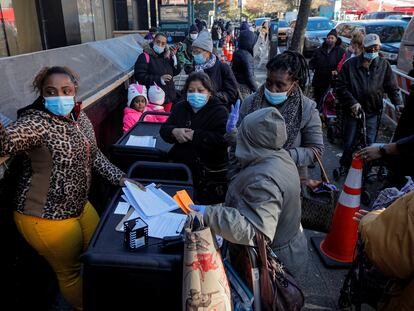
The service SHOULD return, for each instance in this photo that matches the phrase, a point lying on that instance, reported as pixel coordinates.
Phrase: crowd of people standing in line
(264, 135)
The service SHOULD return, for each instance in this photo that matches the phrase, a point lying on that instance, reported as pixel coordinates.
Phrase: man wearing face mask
(184, 54)
(221, 75)
(287, 74)
(361, 85)
(158, 64)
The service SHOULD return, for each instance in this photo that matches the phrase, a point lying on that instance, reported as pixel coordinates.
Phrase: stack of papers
(141, 141)
(154, 206)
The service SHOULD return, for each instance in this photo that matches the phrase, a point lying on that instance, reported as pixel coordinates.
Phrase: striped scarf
(206, 65)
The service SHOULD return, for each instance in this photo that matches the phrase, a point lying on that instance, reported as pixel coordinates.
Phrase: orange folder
(184, 201)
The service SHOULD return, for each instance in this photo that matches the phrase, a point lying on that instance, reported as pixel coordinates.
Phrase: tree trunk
(300, 26)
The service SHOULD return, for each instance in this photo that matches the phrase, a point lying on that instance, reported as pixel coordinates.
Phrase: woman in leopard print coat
(60, 152)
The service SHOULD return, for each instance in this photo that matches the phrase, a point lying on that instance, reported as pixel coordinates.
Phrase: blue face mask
(199, 59)
(197, 100)
(60, 105)
(158, 49)
(371, 56)
(275, 98)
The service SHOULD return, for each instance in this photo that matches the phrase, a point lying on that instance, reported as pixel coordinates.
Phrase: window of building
(19, 28)
(99, 19)
(86, 21)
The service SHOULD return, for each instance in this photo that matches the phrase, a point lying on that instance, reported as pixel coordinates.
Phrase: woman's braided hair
(292, 62)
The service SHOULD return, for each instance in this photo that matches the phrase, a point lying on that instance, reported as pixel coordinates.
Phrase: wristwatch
(382, 150)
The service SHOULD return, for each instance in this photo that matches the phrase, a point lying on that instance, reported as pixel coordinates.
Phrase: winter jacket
(184, 54)
(265, 194)
(59, 157)
(356, 84)
(155, 108)
(209, 125)
(243, 61)
(224, 83)
(310, 135)
(388, 237)
(146, 73)
(131, 116)
(324, 63)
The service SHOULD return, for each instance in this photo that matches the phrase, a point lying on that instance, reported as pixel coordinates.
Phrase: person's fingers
(237, 107)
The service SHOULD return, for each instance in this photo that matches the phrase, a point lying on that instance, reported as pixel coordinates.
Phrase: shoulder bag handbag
(279, 291)
(319, 199)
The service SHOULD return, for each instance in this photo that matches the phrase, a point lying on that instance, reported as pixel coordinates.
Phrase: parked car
(316, 31)
(389, 31)
(260, 20)
(282, 32)
(380, 15)
(404, 18)
(406, 52)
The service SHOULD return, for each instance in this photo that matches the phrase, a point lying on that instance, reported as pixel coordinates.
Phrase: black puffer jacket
(209, 125)
(243, 61)
(224, 83)
(357, 84)
(324, 63)
(147, 73)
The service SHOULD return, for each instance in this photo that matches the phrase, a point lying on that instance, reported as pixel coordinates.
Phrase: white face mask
(193, 36)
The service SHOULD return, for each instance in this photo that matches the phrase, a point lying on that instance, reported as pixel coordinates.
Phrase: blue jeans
(351, 131)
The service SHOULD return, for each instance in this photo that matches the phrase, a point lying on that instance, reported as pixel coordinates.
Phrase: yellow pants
(61, 242)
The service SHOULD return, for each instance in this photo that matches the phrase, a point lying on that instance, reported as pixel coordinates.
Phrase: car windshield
(319, 25)
(283, 24)
(387, 34)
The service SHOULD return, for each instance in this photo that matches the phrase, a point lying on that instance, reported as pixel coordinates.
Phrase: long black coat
(209, 125)
(324, 63)
(357, 84)
(147, 73)
(243, 61)
(224, 83)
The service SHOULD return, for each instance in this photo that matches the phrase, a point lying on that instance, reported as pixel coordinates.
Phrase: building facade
(33, 25)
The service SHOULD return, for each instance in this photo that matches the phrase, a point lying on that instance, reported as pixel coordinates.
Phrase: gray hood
(261, 134)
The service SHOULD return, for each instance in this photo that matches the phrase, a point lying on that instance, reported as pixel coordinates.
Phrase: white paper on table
(141, 141)
(122, 208)
(160, 226)
(152, 202)
(168, 224)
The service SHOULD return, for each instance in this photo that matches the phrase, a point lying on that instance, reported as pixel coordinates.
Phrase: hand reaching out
(233, 117)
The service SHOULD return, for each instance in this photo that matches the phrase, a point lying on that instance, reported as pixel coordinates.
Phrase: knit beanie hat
(204, 41)
(333, 33)
(156, 95)
(135, 90)
(193, 28)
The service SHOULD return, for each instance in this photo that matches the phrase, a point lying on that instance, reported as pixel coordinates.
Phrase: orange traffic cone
(337, 249)
(230, 53)
(222, 58)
